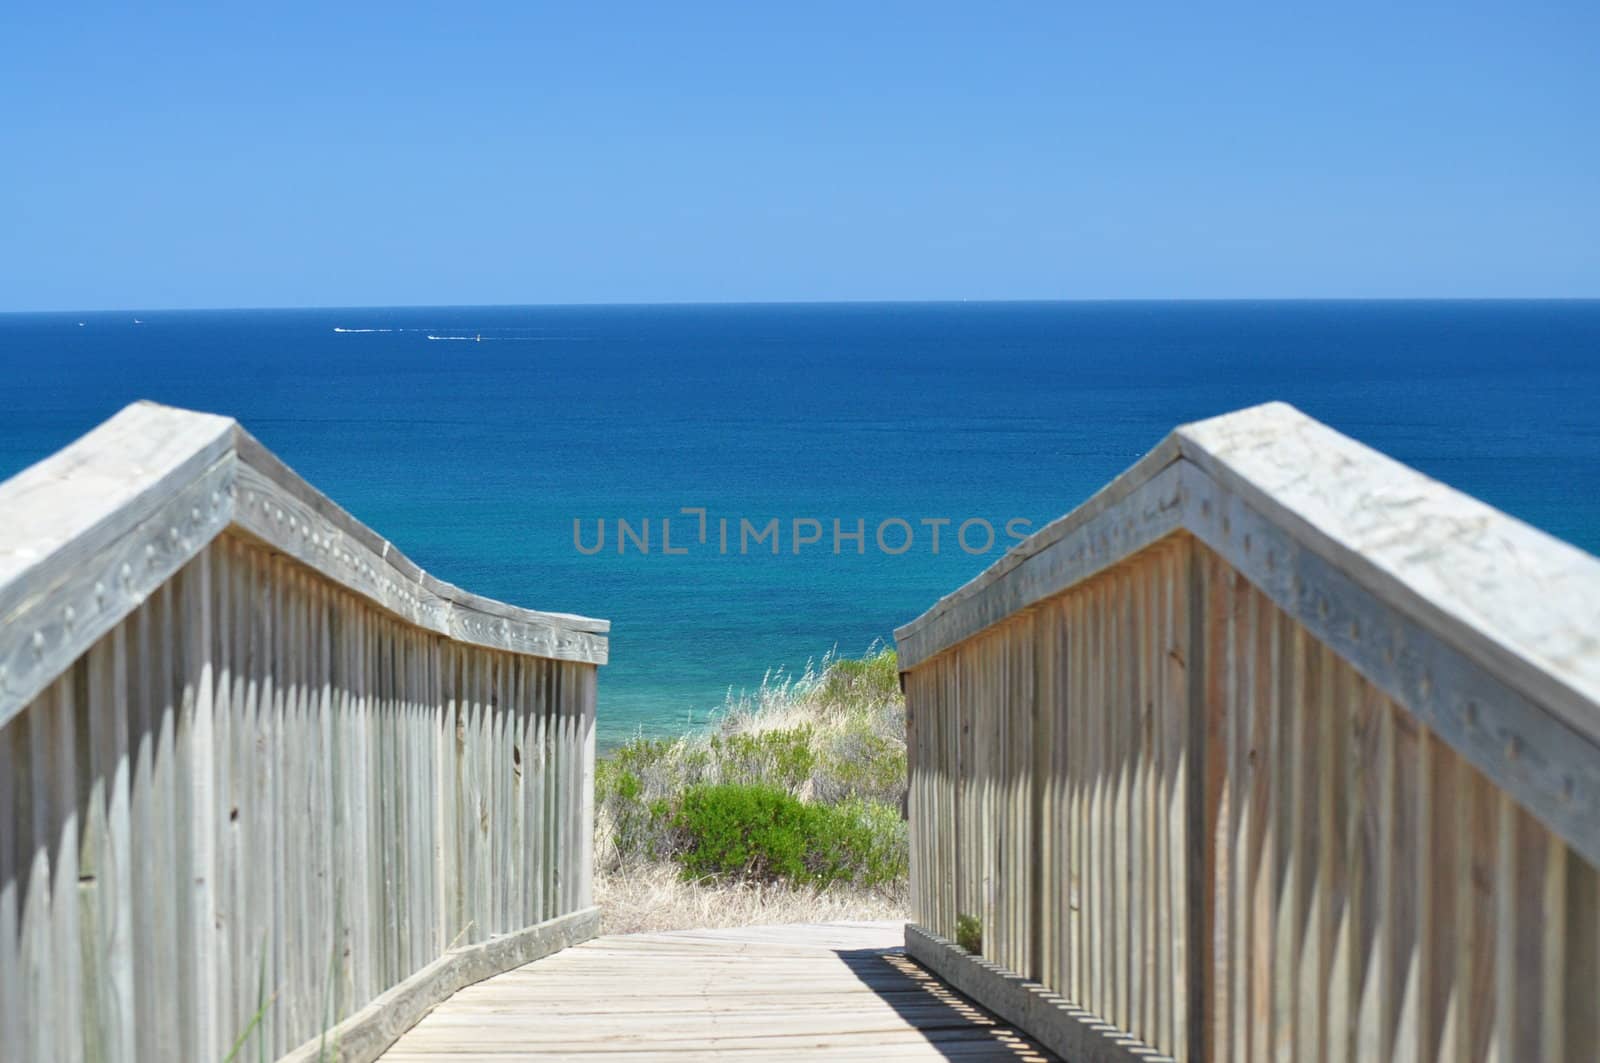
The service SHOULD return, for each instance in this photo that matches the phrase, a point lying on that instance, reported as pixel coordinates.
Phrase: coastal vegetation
(789, 808)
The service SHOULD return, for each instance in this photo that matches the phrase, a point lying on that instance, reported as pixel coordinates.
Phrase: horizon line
(687, 303)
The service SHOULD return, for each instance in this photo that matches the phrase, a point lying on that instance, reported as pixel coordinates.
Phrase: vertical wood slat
(57, 816)
(228, 926)
(196, 829)
(13, 1000)
(583, 793)
(273, 790)
(32, 875)
(1351, 886)
(246, 793)
(256, 793)
(108, 974)
(142, 699)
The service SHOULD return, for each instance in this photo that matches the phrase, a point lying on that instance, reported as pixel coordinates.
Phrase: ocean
(475, 437)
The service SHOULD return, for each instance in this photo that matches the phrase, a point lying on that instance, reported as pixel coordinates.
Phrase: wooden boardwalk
(826, 991)
(1273, 746)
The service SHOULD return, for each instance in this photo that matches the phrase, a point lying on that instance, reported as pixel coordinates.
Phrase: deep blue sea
(474, 437)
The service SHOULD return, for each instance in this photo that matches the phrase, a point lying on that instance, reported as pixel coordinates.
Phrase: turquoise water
(473, 437)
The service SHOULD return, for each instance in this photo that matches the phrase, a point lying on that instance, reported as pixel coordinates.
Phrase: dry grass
(655, 896)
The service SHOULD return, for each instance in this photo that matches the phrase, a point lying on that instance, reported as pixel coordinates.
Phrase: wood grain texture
(1326, 782)
(245, 797)
(253, 761)
(365, 1034)
(88, 533)
(1344, 884)
(1141, 506)
(67, 579)
(1058, 806)
(1521, 603)
(825, 991)
(1058, 1026)
(1467, 607)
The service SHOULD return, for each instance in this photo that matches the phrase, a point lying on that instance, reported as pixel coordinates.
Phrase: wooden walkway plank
(834, 990)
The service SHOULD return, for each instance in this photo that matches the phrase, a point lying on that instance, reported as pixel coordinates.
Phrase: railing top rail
(1280, 495)
(87, 533)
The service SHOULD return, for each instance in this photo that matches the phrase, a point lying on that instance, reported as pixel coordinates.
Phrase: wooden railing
(265, 786)
(1274, 749)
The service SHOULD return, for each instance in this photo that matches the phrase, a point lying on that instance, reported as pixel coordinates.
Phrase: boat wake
(495, 334)
(479, 337)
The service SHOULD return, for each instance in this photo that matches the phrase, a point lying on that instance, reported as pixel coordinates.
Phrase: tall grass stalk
(263, 1002)
(328, 1006)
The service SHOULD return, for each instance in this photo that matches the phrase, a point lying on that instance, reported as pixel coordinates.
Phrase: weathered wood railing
(261, 777)
(1273, 749)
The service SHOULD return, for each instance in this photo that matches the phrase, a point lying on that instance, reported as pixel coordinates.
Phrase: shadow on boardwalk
(834, 991)
(955, 1027)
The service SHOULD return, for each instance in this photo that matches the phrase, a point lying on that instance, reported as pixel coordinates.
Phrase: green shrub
(759, 833)
(856, 682)
(864, 841)
(969, 933)
(783, 758)
(763, 833)
(832, 740)
(862, 763)
(635, 822)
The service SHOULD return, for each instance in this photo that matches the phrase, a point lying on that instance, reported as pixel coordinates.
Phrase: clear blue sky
(277, 154)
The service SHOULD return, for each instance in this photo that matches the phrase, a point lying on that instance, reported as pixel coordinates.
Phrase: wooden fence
(1274, 749)
(264, 784)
